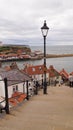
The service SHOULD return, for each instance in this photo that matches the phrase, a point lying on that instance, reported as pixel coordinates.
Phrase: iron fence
(29, 92)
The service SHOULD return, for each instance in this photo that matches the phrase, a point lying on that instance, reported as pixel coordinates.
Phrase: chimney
(14, 66)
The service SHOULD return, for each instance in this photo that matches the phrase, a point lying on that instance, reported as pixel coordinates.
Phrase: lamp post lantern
(44, 30)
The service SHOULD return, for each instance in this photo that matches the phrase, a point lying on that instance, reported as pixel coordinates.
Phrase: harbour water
(57, 49)
(58, 63)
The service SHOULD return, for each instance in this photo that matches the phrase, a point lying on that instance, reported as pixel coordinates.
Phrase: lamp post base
(45, 91)
(45, 88)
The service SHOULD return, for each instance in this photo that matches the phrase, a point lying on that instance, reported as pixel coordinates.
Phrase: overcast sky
(21, 20)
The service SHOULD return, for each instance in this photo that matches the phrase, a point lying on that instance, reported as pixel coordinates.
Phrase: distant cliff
(5, 49)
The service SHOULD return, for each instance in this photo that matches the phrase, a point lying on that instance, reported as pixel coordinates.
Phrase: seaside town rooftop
(17, 80)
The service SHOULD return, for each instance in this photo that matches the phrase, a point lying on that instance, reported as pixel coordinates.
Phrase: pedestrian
(55, 82)
(37, 85)
(70, 80)
(30, 91)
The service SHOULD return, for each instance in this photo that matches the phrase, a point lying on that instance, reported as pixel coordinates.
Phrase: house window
(15, 88)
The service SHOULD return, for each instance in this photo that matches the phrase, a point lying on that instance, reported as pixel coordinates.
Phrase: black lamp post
(44, 30)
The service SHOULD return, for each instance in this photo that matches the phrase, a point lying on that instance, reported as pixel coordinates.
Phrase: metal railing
(6, 108)
(1, 107)
(35, 92)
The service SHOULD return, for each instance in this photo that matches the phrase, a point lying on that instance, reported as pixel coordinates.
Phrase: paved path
(53, 111)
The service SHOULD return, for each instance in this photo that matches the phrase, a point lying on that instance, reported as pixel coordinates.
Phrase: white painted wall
(2, 88)
(20, 88)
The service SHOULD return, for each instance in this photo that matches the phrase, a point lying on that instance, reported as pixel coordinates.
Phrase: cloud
(21, 20)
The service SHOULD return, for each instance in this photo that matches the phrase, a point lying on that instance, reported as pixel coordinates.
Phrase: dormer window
(33, 69)
(40, 68)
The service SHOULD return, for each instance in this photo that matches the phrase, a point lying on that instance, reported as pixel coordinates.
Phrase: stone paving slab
(53, 111)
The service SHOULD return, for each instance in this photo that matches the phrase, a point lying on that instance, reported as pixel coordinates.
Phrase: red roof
(33, 70)
(53, 72)
(13, 101)
(64, 73)
(71, 73)
(7, 68)
(16, 98)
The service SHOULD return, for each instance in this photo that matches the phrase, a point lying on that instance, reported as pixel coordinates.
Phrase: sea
(58, 63)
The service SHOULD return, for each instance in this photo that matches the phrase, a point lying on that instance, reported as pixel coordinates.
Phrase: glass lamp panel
(44, 32)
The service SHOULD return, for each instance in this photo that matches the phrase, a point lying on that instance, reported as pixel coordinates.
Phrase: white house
(16, 81)
(54, 75)
(37, 72)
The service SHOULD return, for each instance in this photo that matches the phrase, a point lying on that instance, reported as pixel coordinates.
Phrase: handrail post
(27, 90)
(6, 96)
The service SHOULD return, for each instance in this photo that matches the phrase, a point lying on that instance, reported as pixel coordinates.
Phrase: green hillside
(14, 49)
